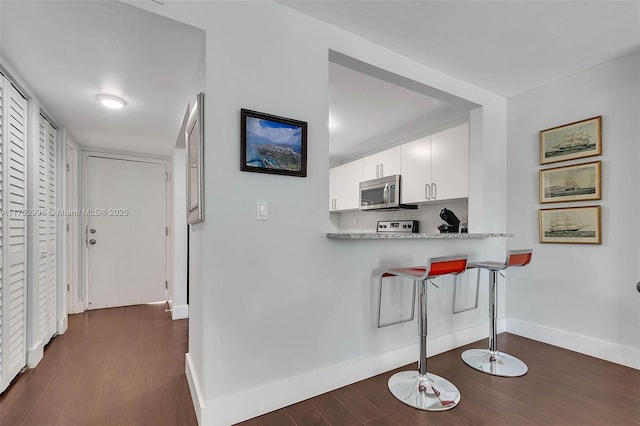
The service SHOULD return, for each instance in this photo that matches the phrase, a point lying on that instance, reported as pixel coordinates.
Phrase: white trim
(111, 154)
(73, 277)
(179, 312)
(194, 388)
(587, 345)
(63, 324)
(271, 396)
(35, 355)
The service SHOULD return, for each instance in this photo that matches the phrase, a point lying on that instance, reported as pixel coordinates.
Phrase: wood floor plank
(120, 366)
(333, 411)
(306, 414)
(276, 418)
(125, 366)
(362, 407)
(561, 388)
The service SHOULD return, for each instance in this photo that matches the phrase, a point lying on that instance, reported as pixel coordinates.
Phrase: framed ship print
(571, 183)
(570, 225)
(570, 141)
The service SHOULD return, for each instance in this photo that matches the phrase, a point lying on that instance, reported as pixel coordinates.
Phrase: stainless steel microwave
(382, 194)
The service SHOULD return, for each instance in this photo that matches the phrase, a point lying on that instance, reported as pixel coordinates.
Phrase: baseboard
(179, 312)
(194, 388)
(63, 324)
(602, 349)
(271, 396)
(34, 355)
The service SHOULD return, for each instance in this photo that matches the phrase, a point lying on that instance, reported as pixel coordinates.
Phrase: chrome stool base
(434, 394)
(501, 364)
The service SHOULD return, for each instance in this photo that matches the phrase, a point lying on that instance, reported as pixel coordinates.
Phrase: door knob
(92, 231)
(92, 241)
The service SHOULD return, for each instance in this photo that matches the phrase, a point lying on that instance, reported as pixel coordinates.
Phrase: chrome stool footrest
(496, 363)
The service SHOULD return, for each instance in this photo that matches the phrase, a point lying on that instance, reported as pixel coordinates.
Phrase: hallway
(120, 366)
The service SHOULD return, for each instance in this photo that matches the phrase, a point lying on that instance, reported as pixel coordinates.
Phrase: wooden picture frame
(570, 225)
(272, 144)
(570, 141)
(578, 182)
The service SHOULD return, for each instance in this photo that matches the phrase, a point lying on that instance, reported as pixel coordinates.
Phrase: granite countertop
(392, 236)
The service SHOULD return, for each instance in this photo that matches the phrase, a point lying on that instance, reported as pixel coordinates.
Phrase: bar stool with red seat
(420, 389)
(492, 361)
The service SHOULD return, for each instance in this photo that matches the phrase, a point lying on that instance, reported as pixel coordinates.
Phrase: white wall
(178, 265)
(278, 312)
(73, 238)
(178, 233)
(581, 297)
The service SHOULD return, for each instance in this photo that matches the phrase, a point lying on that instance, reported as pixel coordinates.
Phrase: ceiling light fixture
(111, 101)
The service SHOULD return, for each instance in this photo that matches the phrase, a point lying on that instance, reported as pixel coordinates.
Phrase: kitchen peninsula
(406, 236)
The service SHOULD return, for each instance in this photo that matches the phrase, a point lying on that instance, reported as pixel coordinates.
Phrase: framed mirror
(194, 144)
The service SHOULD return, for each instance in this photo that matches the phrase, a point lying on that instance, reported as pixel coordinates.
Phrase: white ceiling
(507, 47)
(70, 51)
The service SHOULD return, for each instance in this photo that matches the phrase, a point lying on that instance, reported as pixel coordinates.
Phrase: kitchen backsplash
(427, 214)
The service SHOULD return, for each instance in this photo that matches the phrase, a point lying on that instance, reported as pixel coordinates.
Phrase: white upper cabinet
(416, 171)
(344, 186)
(384, 163)
(436, 167)
(450, 163)
(433, 168)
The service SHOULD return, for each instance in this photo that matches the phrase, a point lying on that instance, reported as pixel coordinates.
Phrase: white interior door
(13, 201)
(126, 232)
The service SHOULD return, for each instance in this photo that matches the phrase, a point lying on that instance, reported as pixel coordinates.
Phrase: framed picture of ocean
(570, 141)
(570, 225)
(579, 182)
(272, 144)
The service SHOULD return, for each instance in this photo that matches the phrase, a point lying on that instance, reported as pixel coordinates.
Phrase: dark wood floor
(561, 388)
(125, 366)
(121, 366)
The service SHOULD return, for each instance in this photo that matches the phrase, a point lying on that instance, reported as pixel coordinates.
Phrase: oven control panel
(398, 226)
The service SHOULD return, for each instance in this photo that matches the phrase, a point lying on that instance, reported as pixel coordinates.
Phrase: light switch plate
(262, 210)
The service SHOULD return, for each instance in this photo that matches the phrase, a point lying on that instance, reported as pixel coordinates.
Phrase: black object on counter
(453, 223)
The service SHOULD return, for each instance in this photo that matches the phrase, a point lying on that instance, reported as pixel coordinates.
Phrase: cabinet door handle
(381, 172)
(377, 170)
(427, 191)
(434, 189)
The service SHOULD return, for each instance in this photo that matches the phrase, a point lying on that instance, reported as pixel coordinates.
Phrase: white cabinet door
(450, 163)
(384, 163)
(416, 171)
(344, 186)
(13, 198)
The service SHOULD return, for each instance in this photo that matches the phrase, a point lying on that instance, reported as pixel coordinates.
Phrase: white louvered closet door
(46, 230)
(13, 136)
(51, 232)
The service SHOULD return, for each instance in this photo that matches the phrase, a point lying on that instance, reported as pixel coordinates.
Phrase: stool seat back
(518, 257)
(447, 265)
